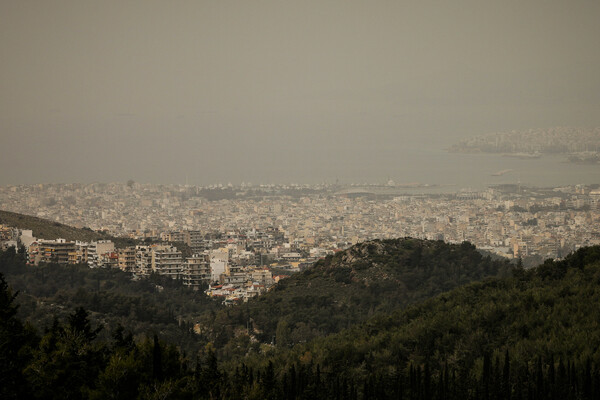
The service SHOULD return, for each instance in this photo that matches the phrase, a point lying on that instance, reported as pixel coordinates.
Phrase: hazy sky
(279, 90)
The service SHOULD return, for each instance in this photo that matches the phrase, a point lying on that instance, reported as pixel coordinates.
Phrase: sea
(439, 171)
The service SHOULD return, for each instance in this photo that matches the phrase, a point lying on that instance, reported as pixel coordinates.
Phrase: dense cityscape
(295, 200)
(235, 237)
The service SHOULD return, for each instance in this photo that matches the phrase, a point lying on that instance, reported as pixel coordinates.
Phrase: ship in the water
(500, 173)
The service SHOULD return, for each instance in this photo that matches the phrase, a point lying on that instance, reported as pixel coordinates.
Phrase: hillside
(336, 293)
(46, 229)
(535, 335)
(158, 304)
(342, 290)
(87, 355)
(531, 335)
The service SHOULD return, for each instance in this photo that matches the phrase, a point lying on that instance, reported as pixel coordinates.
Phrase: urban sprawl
(236, 242)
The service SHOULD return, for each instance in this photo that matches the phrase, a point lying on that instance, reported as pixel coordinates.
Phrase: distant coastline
(523, 155)
(578, 145)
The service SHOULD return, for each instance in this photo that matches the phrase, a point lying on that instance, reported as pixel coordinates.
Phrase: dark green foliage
(370, 278)
(338, 292)
(15, 351)
(68, 360)
(80, 324)
(532, 336)
(109, 297)
(156, 360)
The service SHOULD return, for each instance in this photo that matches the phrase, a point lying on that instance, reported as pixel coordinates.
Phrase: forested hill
(157, 304)
(87, 355)
(369, 278)
(334, 294)
(534, 335)
(46, 229)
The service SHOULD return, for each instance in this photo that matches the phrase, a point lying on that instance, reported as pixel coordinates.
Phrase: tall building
(167, 260)
(126, 258)
(98, 251)
(196, 271)
(143, 260)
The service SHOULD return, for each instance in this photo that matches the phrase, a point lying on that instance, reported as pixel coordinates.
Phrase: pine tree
(561, 381)
(506, 389)
(268, 382)
(79, 323)
(551, 385)
(13, 339)
(587, 380)
(539, 380)
(157, 373)
(485, 377)
(427, 382)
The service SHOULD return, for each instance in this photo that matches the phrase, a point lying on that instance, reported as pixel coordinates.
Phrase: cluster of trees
(338, 292)
(541, 380)
(68, 361)
(521, 334)
(371, 278)
(157, 304)
(529, 336)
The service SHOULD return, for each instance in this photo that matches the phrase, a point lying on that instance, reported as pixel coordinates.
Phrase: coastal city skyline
(316, 199)
(509, 220)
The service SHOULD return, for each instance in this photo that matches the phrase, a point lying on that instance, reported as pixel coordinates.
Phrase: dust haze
(232, 91)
